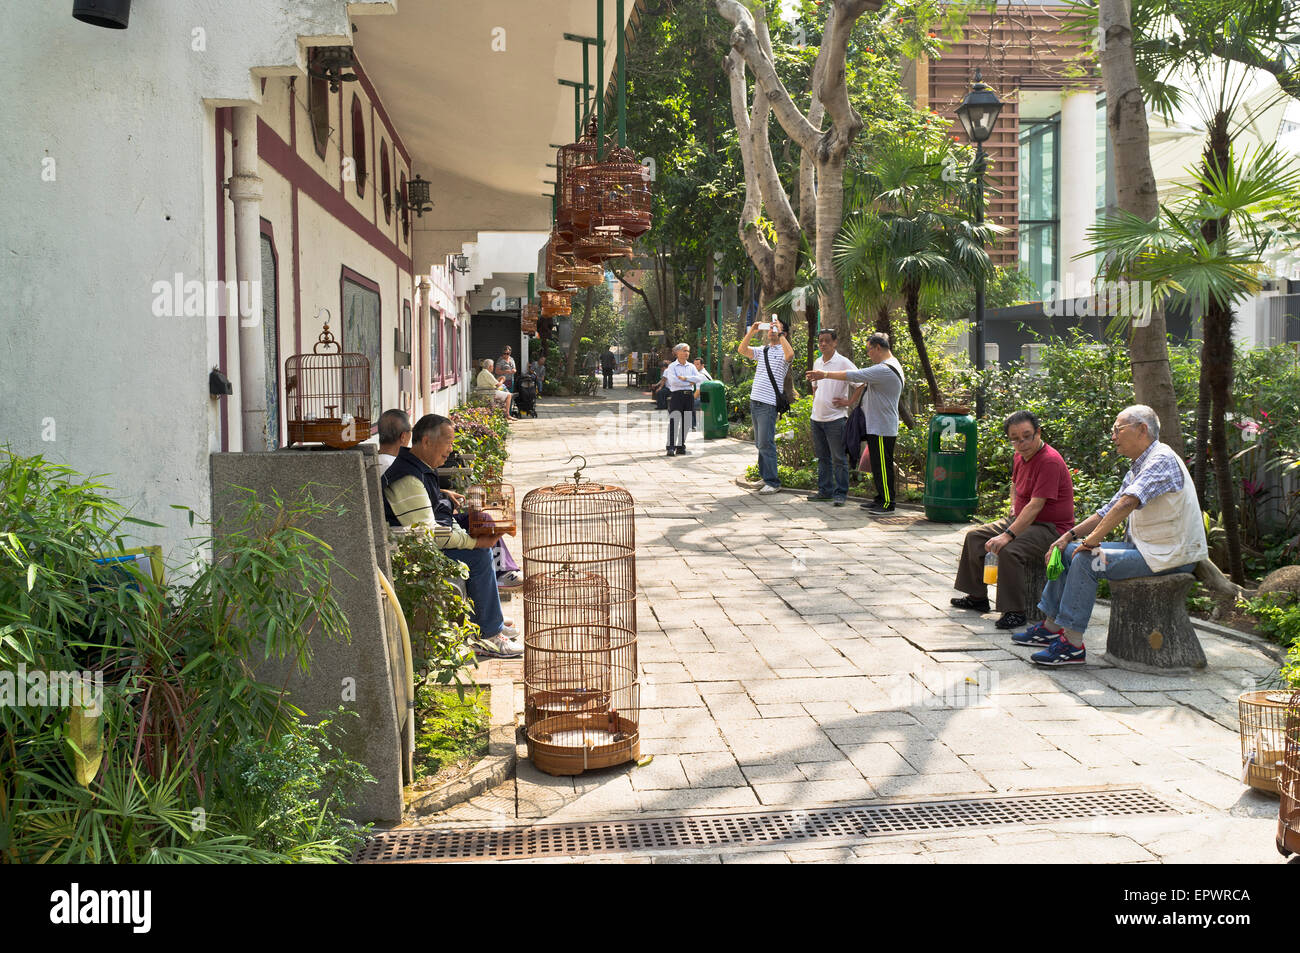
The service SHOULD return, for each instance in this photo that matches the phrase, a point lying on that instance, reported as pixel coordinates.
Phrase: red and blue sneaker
(1060, 652)
(1036, 634)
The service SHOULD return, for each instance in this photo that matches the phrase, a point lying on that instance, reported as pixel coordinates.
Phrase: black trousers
(881, 451)
(609, 378)
(681, 407)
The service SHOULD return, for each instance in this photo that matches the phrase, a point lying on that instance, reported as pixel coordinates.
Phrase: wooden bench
(1150, 630)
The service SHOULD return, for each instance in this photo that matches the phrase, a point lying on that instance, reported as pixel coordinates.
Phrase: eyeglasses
(1116, 430)
(1011, 439)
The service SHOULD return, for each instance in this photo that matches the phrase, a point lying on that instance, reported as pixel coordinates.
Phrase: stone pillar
(1077, 178)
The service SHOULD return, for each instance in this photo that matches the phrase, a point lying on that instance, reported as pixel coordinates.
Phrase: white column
(246, 194)
(1077, 176)
(424, 386)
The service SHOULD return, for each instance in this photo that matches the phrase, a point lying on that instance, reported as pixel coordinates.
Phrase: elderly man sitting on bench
(1165, 535)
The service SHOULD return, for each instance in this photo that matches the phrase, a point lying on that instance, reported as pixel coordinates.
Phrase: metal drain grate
(850, 823)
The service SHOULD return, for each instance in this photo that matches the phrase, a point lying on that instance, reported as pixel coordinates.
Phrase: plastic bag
(1054, 565)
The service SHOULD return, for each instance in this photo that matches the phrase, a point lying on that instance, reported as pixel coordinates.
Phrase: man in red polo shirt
(1042, 509)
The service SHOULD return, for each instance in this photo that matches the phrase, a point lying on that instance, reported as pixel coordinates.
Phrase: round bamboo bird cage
(617, 194)
(581, 694)
(556, 304)
(567, 159)
(529, 312)
(1288, 782)
(566, 274)
(1262, 728)
(601, 244)
(327, 395)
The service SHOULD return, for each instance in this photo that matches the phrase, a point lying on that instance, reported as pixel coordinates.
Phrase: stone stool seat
(1035, 582)
(1149, 627)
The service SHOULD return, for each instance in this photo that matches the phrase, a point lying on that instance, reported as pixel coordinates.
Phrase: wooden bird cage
(581, 696)
(1288, 812)
(555, 304)
(601, 244)
(328, 395)
(567, 159)
(567, 274)
(491, 510)
(617, 195)
(1261, 718)
(528, 315)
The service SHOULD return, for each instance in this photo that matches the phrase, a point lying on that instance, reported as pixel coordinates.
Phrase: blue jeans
(482, 588)
(828, 445)
(1068, 599)
(764, 417)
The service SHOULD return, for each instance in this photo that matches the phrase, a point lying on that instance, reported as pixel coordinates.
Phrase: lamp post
(978, 112)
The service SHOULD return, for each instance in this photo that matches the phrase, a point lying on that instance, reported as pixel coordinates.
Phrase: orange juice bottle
(991, 569)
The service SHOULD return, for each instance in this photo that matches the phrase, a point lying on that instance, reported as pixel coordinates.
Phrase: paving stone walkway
(793, 654)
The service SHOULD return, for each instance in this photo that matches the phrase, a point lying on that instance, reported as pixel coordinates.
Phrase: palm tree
(1210, 247)
(906, 238)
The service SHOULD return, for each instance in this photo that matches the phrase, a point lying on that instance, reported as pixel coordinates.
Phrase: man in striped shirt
(773, 362)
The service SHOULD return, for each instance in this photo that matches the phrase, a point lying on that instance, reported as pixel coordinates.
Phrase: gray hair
(487, 364)
(681, 347)
(1142, 414)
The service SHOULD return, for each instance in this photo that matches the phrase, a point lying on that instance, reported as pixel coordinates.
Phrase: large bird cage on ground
(327, 394)
(1261, 719)
(581, 697)
(1288, 782)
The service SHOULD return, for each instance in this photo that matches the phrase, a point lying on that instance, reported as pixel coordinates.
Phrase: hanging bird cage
(328, 395)
(601, 244)
(566, 274)
(617, 194)
(556, 304)
(1288, 782)
(491, 509)
(567, 159)
(528, 315)
(581, 695)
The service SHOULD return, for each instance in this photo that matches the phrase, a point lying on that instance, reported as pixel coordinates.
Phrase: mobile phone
(764, 326)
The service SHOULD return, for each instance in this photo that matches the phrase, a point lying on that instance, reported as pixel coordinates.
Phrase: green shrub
(1280, 621)
(437, 615)
(157, 774)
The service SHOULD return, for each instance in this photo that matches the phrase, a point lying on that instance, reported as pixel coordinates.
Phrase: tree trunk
(912, 302)
(1218, 334)
(571, 360)
(884, 323)
(1201, 458)
(1135, 182)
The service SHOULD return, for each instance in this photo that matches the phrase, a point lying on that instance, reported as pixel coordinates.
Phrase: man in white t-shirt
(773, 361)
(829, 417)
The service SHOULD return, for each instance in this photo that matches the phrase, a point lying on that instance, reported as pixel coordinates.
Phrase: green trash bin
(713, 408)
(951, 469)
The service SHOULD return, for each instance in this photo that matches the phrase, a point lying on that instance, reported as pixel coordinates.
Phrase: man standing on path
(1042, 508)
(1165, 530)
(883, 380)
(607, 361)
(682, 379)
(829, 415)
(699, 366)
(769, 380)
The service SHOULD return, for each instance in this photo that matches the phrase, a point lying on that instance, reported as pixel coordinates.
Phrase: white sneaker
(499, 646)
(510, 632)
(768, 488)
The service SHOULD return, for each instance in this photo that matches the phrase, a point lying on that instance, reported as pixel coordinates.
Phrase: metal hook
(577, 474)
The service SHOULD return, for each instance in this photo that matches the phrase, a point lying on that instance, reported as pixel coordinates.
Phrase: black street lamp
(978, 112)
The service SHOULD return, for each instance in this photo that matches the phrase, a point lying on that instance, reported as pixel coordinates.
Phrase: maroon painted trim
(221, 117)
(374, 199)
(297, 279)
(341, 150)
(383, 113)
(268, 230)
(277, 153)
(346, 274)
(385, 175)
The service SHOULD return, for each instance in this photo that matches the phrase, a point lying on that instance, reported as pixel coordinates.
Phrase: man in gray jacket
(883, 380)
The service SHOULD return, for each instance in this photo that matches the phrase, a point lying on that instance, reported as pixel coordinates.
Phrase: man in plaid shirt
(1166, 534)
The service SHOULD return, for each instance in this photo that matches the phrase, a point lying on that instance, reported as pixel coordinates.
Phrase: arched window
(385, 182)
(359, 143)
(406, 210)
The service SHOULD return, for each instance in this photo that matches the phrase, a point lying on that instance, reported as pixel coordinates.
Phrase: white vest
(1169, 531)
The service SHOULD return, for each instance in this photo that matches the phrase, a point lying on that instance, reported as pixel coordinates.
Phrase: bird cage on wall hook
(582, 700)
(328, 394)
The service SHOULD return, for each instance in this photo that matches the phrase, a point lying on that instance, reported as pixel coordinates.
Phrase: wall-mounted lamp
(460, 263)
(417, 197)
(113, 14)
(329, 63)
